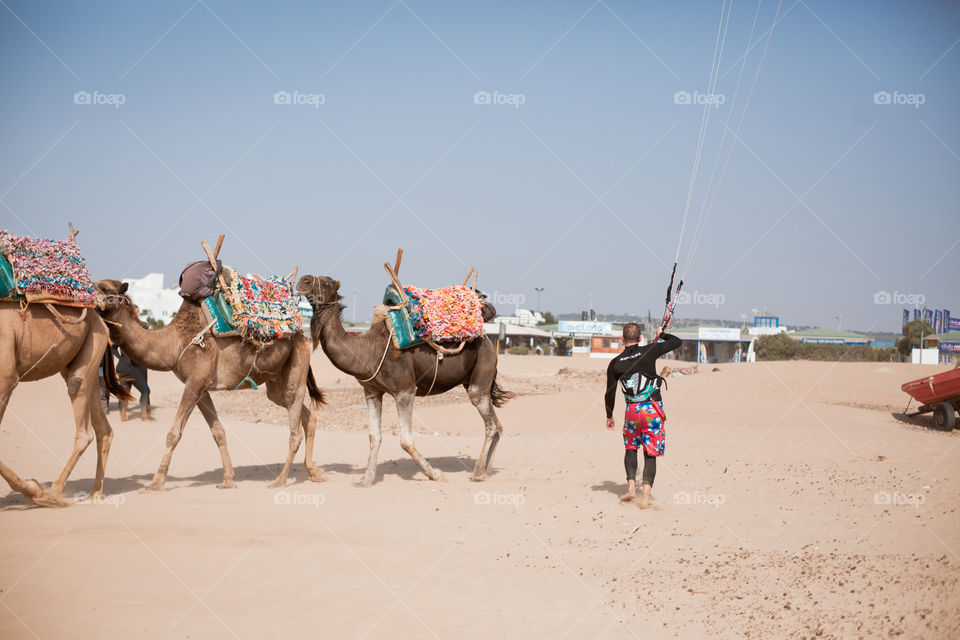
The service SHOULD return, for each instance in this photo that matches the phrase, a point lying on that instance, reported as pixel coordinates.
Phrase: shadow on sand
(924, 420)
(609, 486)
(405, 468)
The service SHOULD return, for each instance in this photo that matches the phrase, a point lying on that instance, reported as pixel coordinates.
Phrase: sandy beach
(792, 502)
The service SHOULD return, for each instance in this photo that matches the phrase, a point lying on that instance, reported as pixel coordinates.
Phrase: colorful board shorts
(643, 426)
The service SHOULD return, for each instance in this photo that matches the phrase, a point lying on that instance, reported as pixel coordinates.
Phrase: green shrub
(518, 350)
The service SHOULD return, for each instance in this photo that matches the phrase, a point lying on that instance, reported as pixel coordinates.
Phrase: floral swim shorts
(643, 426)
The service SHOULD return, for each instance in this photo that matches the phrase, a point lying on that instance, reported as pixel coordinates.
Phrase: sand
(792, 502)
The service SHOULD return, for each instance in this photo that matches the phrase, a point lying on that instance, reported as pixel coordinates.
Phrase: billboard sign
(719, 333)
(582, 326)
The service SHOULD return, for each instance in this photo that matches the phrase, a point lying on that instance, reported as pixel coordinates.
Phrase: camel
(39, 340)
(381, 368)
(207, 363)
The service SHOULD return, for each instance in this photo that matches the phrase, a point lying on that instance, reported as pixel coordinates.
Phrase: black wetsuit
(635, 369)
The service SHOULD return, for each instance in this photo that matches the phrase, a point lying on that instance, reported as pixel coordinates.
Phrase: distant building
(949, 347)
(766, 325)
(830, 336)
(712, 344)
(523, 317)
(590, 338)
(516, 335)
(154, 301)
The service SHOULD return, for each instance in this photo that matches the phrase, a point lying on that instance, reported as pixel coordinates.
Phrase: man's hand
(611, 424)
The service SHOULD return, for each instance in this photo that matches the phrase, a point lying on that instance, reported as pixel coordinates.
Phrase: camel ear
(123, 288)
(338, 285)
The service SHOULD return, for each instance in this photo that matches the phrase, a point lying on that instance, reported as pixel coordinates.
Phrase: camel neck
(155, 349)
(354, 355)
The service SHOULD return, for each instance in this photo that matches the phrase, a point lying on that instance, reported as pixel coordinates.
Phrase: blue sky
(827, 199)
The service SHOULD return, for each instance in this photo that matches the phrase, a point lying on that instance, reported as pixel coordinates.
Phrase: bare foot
(644, 501)
(629, 496)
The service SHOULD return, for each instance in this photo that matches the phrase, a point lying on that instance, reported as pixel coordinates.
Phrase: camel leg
(309, 423)
(209, 413)
(187, 402)
(405, 412)
(31, 489)
(104, 435)
(492, 430)
(294, 411)
(375, 409)
(78, 387)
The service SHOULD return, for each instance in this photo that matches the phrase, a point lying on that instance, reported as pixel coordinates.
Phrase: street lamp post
(355, 293)
(539, 290)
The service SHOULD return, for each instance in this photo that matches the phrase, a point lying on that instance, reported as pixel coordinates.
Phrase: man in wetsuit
(635, 370)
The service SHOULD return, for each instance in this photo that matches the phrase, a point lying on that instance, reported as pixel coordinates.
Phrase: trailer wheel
(943, 416)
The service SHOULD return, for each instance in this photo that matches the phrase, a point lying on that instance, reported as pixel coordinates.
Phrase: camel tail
(498, 395)
(110, 378)
(316, 394)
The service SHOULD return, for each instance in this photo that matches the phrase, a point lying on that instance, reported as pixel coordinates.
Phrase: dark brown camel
(217, 363)
(381, 368)
(38, 341)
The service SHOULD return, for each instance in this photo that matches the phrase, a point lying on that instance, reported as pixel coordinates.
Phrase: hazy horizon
(548, 144)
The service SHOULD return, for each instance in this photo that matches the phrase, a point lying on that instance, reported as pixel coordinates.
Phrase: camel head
(114, 294)
(319, 291)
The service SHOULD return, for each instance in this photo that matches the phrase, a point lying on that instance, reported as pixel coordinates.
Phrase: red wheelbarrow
(939, 393)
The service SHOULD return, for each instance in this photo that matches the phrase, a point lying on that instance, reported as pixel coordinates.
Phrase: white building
(154, 301)
(523, 318)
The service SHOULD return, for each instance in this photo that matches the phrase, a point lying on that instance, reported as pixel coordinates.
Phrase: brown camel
(381, 368)
(217, 363)
(40, 340)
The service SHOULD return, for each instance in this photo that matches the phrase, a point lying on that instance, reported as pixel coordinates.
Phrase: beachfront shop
(712, 344)
(590, 338)
(949, 347)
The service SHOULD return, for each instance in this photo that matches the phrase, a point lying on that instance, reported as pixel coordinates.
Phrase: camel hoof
(365, 483)
(279, 483)
(47, 499)
(317, 477)
(34, 492)
(153, 486)
(438, 476)
(478, 476)
(227, 484)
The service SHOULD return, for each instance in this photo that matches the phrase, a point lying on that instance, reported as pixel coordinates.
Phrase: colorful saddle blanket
(447, 314)
(263, 310)
(41, 270)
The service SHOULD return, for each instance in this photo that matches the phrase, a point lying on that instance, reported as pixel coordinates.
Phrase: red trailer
(939, 393)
